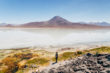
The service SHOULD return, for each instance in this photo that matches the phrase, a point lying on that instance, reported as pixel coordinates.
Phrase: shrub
(11, 64)
(23, 56)
(79, 52)
(97, 53)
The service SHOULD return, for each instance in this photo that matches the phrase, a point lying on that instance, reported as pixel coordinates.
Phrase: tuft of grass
(2, 72)
(38, 61)
(20, 71)
(66, 55)
(23, 55)
(101, 50)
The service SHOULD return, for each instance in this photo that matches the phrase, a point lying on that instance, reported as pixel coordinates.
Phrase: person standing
(56, 57)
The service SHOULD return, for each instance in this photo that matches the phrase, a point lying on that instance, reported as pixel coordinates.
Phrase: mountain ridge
(58, 22)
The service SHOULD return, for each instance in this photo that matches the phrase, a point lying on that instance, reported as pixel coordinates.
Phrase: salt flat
(51, 37)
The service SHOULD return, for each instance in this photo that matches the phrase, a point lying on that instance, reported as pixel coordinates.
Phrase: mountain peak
(58, 19)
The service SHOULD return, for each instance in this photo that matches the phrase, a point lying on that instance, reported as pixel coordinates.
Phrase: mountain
(3, 24)
(58, 21)
(6, 25)
(55, 21)
(101, 23)
(96, 23)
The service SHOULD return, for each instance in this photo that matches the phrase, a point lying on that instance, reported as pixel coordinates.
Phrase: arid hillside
(28, 60)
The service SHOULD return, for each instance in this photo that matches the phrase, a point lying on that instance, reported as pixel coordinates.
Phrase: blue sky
(23, 11)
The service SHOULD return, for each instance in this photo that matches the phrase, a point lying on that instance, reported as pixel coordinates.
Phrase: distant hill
(101, 23)
(59, 22)
(3, 24)
(6, 25)
(96, 23)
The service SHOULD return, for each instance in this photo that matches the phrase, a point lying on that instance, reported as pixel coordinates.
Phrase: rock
(106, 64)
(88, 54)
(100, 62)
(108, 57)
(98, 55)
(108, 71)
(90, 63)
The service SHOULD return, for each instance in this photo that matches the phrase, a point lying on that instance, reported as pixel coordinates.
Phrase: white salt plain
(51, 37)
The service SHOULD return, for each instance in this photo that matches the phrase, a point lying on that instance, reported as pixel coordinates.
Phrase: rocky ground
(89, 63)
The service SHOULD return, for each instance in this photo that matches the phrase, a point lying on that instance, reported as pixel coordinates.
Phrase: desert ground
(28, 60)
